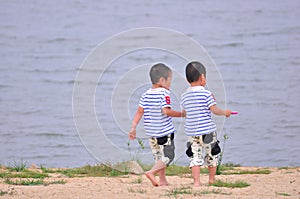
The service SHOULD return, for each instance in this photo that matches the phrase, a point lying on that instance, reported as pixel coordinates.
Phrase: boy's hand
(132, 134)
(227, 113)
(183, 113)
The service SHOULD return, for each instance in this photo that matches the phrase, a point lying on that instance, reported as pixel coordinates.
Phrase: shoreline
(264, 182)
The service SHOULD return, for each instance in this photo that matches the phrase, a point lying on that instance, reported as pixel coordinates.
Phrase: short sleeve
(142, 102)
(166, 100)
(210, 100)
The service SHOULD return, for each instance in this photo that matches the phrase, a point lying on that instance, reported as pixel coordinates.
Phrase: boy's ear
(202, 80)
(201, 77)
(161, 80)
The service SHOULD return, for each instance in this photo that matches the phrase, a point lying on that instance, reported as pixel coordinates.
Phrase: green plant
(23, 174)
(212, 192)
(114, 173)
(138, 152)
(242, 172)
(177, 191)
(188, 190)
(282, 194)
(231, 165)
(32, 182)
(45, 170)
(218, 172)
(18, 165)
(141, 191)
(173, 169)
(2, 193)
(9, 191)
(55, 182)
(27, 182)
(138, 181)
(237, 184)
(100, 170)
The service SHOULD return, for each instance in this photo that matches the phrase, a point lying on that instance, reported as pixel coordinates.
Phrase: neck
(196, 84)
(156, 86)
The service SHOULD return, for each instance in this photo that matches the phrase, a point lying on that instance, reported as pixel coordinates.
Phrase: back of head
(159, 70)
(194, 70)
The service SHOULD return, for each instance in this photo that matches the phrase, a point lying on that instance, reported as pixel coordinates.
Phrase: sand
(280, 183)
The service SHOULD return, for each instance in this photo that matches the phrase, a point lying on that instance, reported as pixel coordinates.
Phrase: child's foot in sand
(163, 183)
(151, 177)
(197, 184)
(212, 181)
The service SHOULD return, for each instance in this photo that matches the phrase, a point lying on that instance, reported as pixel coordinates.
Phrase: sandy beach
(280, 183)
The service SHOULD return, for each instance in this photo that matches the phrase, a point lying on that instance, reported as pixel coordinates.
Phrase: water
(256, 46)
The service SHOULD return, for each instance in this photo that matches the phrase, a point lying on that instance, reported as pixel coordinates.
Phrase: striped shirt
(196, 101)
(156, 124)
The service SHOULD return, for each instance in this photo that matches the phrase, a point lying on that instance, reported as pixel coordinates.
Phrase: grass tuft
(141, 191)
(212, 192)
(26, 182)
(242, 172)
(24, 174)
(18, 166)
(55, 182)
(101, 170)
(45, 170)
(32, 182)
(177, 170)
(189, 191)
(282, 194)
(237, 184)
(138, 180)
(179, 191)
(2, 193)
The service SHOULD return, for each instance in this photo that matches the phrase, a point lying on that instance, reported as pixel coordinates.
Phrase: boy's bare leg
(196, 175)
(212, 174)
(162, 177)
(159, 165)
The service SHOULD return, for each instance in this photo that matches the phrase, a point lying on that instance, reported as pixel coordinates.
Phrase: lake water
(255, 45)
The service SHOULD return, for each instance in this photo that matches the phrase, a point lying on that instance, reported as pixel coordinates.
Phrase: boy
(155, 106)
(199, 103)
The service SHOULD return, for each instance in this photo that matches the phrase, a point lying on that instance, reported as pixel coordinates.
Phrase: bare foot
(197, 184)
(163, 183)
(151, 177)
(212, 181)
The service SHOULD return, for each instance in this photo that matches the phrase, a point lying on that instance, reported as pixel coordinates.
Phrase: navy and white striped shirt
(196, 101)
(156, 124)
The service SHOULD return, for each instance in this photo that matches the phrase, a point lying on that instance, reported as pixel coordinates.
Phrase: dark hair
(159, 70)
(194, 70)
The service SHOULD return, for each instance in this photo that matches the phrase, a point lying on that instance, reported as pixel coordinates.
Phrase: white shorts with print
(196, 144)
(163, 148)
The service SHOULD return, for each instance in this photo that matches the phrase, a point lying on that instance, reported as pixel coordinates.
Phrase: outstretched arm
(218, 111)
(137, 117)
(169, 112)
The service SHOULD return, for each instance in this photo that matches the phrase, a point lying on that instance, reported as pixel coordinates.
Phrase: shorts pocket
(163, 140)
(169, 152)
(207, 138)
(215, 148)
(189, 151)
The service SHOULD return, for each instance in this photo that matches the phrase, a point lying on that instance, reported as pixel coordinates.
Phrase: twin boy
(198, 104)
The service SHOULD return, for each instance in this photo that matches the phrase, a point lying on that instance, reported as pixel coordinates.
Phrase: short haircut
(194, 70)
(159, 70)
